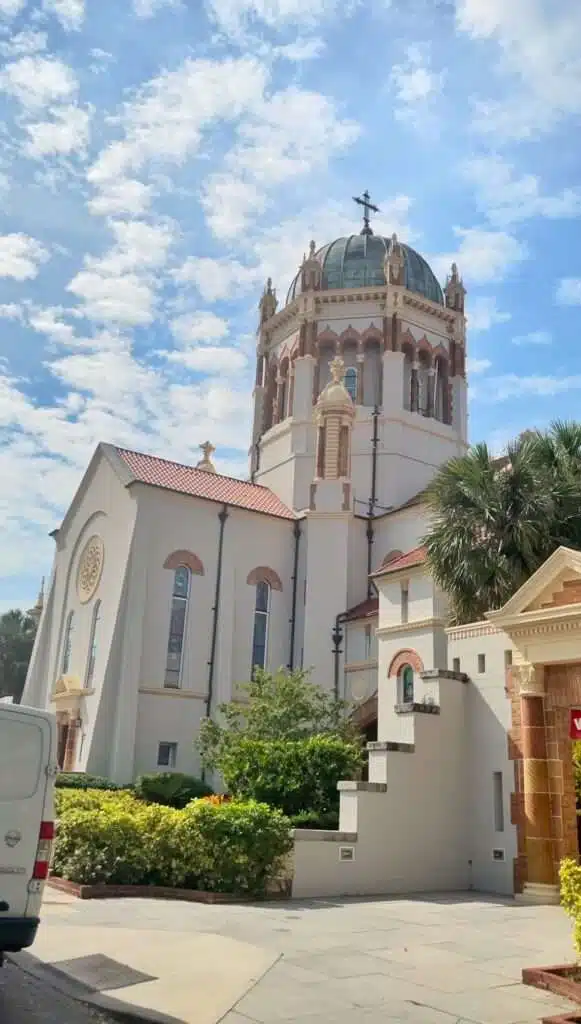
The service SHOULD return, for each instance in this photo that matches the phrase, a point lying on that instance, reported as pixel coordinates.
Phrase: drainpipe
(222, 516)
(337, 635)
(372, 497)
(255, 461)
(297, 537)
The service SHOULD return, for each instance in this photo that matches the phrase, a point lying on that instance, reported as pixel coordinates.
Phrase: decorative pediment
(555, 586)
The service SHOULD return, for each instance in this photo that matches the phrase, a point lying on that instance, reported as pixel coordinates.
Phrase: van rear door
(25, 754)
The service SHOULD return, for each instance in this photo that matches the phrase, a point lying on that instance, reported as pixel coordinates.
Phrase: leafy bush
(173, 789)
(279, 705)
(238, 846)
(222, 847)
(327, 820)
(570, 879)
(293, 775)
(577, 769)
(79, 780)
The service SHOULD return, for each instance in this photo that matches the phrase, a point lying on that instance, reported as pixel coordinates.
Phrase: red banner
(575, 724)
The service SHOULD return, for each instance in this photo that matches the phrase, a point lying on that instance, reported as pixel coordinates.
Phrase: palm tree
(494, 521)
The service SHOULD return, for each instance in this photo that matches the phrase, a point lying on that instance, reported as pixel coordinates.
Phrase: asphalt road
(24, 1000)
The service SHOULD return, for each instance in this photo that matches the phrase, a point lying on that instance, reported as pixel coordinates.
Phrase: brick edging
(101, 891)
(554, 979)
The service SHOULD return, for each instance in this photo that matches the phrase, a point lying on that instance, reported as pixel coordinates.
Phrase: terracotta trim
(405, 657)
(262, 574)
(187, 558)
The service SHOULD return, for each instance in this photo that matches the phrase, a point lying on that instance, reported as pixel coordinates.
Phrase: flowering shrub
(214, 844)
(570, 880)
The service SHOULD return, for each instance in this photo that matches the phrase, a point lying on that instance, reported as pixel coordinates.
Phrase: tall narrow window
(93, 641)
(367, 643)
(498, 798)
(350, 381)
(260, 634)
(405, 602)
(68, 644)
(406, 685)
(177, 626)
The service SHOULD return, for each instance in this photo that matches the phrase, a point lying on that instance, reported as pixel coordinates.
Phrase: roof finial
(206, 464)
(368, 206)
(337, 368)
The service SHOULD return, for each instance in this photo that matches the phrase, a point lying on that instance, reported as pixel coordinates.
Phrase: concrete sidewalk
(439, 960)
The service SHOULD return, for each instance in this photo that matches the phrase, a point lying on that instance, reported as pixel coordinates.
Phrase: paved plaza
(423, 960)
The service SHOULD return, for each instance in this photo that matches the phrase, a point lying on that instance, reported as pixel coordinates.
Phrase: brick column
(541, 880)
(71, 747)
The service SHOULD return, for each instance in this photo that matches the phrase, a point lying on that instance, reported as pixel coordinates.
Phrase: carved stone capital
(529, 679)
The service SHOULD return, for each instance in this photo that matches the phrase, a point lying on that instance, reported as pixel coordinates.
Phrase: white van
(28, 769)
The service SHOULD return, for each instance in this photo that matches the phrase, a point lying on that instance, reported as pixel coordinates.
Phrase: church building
(171, 582)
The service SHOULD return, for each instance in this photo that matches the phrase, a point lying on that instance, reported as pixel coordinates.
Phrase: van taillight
(43, 850)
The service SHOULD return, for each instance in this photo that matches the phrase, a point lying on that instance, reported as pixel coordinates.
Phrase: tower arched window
(424, 384)
(177, 627)
(93, 643)
(405, 685)
(68, 643)
(407, 379)
(350, 381)
(261, 617)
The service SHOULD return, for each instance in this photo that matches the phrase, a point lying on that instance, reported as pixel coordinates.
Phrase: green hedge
(79, 780)
(294, 775)
(173, 789)
(113, 838)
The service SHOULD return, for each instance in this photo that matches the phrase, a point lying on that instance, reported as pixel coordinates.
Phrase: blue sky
(159, 159)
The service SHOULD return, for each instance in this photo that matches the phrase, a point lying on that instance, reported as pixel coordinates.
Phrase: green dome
(357, 262)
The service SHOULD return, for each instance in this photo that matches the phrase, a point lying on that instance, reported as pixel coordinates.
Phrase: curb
(125, 1013)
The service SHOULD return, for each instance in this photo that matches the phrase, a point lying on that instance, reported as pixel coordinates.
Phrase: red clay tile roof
(148, 469)
(415, 557)
(364, 610)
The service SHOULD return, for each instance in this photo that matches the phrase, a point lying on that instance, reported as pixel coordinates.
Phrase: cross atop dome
(206, 464)
(368, 206)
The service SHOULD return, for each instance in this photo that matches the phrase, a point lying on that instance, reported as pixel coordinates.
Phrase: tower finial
(206, 464)
(368, 206)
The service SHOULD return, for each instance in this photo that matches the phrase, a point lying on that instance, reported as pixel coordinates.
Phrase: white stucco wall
(488, 723)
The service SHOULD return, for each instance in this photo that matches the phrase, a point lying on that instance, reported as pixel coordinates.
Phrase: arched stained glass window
(93, 641)
(260, 633)
(177, 626)
(406, 685)
(350, 381)
(68, 644)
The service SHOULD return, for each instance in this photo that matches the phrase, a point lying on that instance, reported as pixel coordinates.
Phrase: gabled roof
(519, 604)
(408, 561)
(174, 476)
(364, 610)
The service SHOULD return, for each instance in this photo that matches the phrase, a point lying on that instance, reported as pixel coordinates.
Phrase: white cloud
(10, 8)
(66, 133)
(474, 366)
(70, 13)
(569, 291)
(20, 256)
(301, 49)
(147, 8)
(234, 16)
(49, 321)
(37, 81)
(166, 119)
(539, 48)
(204, 327)
(533, 338)
(11, 311)
(218, 278)
(510, 385)
(415, 85)
(230, 205)
(27, 41)
(224, 361)
(482, 313)
(507, 197)
(125, 196)
(119, 287)
(482, 256)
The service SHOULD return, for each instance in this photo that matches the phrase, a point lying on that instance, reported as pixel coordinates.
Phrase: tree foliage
(274, 706)
(17, 633)
(494, 521)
